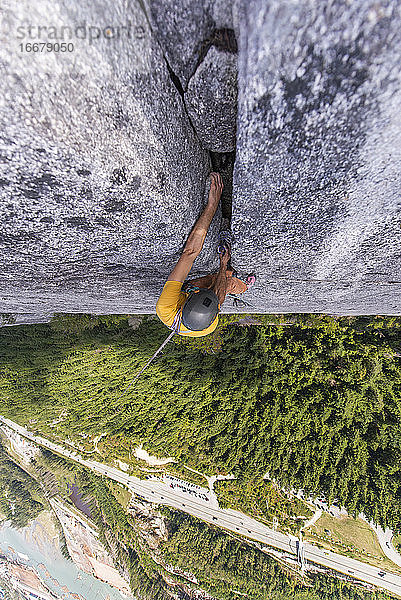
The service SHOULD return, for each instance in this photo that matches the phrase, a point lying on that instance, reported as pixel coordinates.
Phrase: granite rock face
(102, 174)
(211, 100)
(185, 30)
(104, 152)
(181, 28)
(317, 176)
(199, 45)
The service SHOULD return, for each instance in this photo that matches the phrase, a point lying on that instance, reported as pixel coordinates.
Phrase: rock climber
(191, 309)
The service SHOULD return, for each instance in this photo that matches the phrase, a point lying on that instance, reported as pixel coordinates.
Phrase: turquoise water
(61, 572)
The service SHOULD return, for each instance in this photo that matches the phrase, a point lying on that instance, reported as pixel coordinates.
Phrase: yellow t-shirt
(170, 301)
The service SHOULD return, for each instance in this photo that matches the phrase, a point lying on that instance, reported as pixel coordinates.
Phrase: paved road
(231, 520)
(385, 537)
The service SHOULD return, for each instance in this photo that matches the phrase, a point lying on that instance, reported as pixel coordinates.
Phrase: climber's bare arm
(198, 234)
(220, 286)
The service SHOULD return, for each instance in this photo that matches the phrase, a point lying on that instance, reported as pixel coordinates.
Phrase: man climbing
(192, 309)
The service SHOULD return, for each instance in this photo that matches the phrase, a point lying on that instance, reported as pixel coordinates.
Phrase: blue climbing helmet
(200, 310)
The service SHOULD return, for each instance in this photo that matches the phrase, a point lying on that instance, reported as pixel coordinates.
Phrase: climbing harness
(188, 288)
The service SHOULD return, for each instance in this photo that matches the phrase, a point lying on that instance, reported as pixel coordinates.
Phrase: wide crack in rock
(103, 176)
(223, 39)
(210, 101)
(105, 161)
(223, 163)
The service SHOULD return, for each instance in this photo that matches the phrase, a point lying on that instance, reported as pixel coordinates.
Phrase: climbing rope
(175, 328)
(148, 363)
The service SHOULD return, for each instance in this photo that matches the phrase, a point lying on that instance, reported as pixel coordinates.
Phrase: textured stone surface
(102, 177)
(192, 35)
(317, 177)
(211, 100)
(182, 28)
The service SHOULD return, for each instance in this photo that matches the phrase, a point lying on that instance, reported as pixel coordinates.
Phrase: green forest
(314, 402)
(21, 498)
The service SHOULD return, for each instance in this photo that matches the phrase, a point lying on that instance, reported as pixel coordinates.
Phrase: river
(59, 574)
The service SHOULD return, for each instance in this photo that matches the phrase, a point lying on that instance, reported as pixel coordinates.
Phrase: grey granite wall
(317, 181)
(102, 174)
(104, 151)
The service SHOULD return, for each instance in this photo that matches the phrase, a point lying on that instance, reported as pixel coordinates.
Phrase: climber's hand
(216, 188)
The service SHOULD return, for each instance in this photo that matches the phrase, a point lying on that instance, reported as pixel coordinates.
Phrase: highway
(161, 493)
